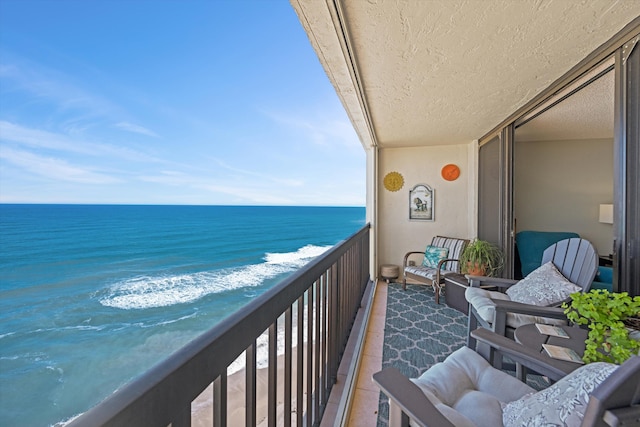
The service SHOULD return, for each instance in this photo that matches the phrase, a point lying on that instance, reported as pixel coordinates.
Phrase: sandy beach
(202, 407)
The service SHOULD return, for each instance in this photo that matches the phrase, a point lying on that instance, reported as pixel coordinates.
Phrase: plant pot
(481, 258)
(476, 269)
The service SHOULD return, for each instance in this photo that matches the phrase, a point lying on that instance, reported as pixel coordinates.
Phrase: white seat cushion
(468, 391)
(481, 300)
(426, 272)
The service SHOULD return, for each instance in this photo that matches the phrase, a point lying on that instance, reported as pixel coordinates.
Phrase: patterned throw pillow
(433, 255)
(562, 404)
(544, 286)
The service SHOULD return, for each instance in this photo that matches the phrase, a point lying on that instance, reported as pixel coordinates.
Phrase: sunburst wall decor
(393, 181)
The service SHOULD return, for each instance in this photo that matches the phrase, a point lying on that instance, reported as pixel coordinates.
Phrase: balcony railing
(321, 299)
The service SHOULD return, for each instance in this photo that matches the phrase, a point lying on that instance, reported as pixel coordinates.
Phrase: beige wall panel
(560, 185)
(422, 165)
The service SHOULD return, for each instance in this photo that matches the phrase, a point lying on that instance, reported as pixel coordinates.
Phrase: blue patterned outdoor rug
(419, 333)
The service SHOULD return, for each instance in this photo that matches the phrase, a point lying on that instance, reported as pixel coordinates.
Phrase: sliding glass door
(495, 205)
(627, 165)
(496, 168)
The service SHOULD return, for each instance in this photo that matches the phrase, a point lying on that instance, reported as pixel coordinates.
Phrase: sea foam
(144, 292)
(262, 342)
(297, 258)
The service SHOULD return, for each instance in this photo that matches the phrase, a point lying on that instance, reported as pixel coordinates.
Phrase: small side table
(389, 272)
(528, 336)
(455, 286)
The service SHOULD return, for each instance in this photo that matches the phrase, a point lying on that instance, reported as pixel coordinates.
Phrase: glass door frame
(627, 156)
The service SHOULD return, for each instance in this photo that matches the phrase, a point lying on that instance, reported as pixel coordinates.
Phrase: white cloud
(324, 129)
(36, 138)
(252, 195)
(48, 85)
(129, 127)
(55, 169)
(249, 191)
(170, 178)
(271, 178)
(303, 164)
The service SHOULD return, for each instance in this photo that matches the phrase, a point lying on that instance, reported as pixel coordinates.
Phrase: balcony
(329, 320)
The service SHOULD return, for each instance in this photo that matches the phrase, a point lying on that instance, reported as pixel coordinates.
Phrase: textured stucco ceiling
(587, 114)
(435, 72)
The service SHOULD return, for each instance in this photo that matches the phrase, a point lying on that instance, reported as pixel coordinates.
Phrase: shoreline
(202, 406)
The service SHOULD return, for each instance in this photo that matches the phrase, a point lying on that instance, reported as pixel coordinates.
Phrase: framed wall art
(421, 203)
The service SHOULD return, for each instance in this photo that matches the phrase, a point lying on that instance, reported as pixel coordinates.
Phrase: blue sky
(169, 102)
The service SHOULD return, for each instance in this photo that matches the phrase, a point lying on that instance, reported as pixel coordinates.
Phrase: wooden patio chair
(568, 266)
(465, 391)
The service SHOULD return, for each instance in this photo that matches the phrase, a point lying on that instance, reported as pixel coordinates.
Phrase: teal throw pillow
(433, 255)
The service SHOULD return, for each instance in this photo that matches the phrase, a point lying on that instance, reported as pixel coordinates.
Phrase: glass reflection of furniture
(605, 260)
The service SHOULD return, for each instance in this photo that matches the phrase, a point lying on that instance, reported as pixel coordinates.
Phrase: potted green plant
(605, 314)
(482, 258)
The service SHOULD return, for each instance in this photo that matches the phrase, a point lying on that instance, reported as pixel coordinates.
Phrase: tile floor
(364, 409)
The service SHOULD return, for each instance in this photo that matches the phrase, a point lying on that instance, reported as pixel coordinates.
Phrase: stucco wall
(560, 185)
(453, 201)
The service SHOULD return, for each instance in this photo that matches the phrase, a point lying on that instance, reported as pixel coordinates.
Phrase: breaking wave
(144, 292)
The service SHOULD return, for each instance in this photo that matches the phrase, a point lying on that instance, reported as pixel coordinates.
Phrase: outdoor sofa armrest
(411, 400)
(520, 354)
(531, 310)
(477, 281)
(502, 307)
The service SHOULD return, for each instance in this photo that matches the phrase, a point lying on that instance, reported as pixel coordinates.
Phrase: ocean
(91, 296)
